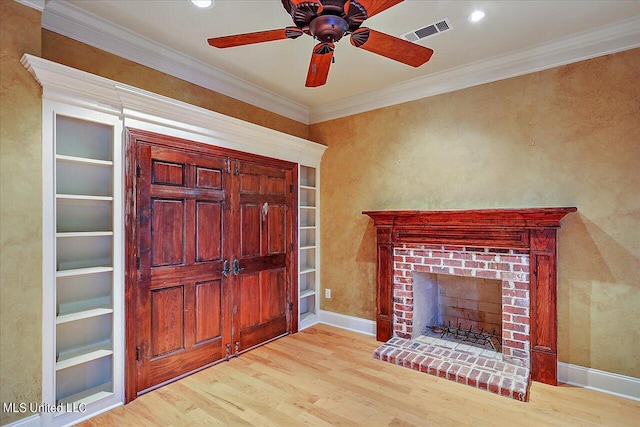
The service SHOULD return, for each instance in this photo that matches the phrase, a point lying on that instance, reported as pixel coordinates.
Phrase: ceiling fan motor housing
(328, 28)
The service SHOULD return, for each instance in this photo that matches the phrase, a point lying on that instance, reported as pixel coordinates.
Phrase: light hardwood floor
(324, 376)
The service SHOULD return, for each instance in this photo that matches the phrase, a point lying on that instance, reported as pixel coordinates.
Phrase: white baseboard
(602, 381)
(589, 378)
(355, 324)
(32, 421)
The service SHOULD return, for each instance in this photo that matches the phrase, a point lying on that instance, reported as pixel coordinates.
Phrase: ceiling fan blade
(298, 2)
(319, 65)
(257, 37)
(391, 47)
(372, 7)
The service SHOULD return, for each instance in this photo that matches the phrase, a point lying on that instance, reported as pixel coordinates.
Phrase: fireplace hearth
(516, 247)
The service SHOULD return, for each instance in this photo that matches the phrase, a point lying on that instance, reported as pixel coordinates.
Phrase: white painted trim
(602, 381)
(355, 324)
(32, 421)
(35, 4)
(71, 21)
(149, 111)
(616, 37)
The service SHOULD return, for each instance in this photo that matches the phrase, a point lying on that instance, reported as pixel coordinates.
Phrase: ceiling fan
(328, 21)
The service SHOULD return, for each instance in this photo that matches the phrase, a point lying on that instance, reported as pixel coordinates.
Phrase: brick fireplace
(516, 247)
(507, 266)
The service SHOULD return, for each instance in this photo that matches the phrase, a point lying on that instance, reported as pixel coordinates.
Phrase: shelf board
(306, 315)
(83, 160)
(84, 355)
(307, 293)
(307, 207)
(307, 187)
(91, 395)
(83, 314)
(307, 227)
(84, 234)
(307, 269)
(83, 197)
(83, 271)
(308, 247)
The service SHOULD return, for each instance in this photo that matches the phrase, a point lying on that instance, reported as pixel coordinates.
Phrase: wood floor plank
(324, 376)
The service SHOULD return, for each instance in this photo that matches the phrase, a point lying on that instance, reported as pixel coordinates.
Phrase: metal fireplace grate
(458, 333)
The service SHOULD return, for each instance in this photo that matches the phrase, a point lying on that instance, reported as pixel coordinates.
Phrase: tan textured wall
(78, 55)
(568, 136)
(20, 211)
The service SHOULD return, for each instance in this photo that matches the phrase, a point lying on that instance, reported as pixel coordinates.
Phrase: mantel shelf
(473, 218)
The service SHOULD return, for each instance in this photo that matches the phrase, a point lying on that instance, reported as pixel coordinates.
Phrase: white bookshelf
(83, 267)
(308, 255)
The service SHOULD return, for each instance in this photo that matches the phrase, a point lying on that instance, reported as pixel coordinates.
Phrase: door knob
(236, 267)
(226, 270)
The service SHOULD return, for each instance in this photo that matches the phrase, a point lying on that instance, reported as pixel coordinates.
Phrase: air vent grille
(429, 30)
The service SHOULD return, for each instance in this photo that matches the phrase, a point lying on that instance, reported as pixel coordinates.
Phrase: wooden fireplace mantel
(531, 229)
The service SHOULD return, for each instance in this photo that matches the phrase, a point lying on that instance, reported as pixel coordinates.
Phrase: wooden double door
(212, 243)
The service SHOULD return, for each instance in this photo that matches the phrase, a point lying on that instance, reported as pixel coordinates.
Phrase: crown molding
(616, 37)
(71, 21)
(34, 4)
(146, 110)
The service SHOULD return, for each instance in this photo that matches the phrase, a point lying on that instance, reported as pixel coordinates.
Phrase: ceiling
(514, 38)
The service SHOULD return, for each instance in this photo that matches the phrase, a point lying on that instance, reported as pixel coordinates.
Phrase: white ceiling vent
(429, 30)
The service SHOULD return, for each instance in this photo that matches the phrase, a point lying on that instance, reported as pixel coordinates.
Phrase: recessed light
(476, 16)
(202, 4)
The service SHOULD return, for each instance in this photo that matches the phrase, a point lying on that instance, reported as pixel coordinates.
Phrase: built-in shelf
(84, 234)
(307, 292)
(84, 271)
(308, 235)
(85, 360)
(89, 396)
(307, 315)
(82, 358)
(83, 160)
(83, 197)
(82, 314)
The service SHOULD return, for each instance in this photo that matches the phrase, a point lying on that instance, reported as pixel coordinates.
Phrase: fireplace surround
(529, 233)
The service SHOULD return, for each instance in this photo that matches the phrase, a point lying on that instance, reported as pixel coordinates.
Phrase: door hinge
(138, 171)
(138, 262)
(237, 171)
(137, 353)
(291, 188)
(227, 352)
(292, 247)
(237, 346)
(290, 306)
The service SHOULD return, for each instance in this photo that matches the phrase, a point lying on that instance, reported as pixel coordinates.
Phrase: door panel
(182, 246)
(248, 304)
(208, 303)
(261, 288)
(208, 231)
(276, 230)
(168, 225)
(250, 232)
(167, 328)
(273, 286)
